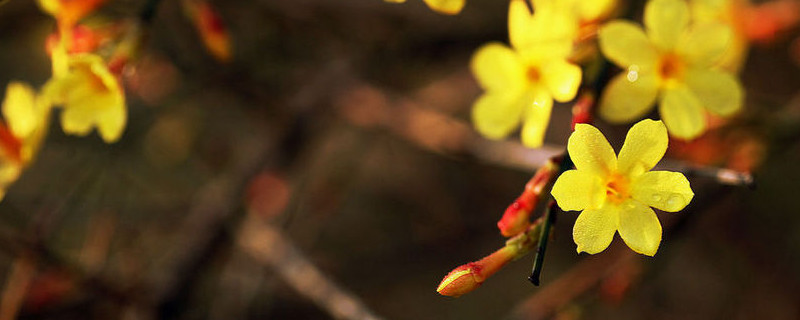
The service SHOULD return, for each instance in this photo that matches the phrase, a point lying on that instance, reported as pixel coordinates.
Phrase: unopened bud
(582, 110)
(516, 219)
(470, 276)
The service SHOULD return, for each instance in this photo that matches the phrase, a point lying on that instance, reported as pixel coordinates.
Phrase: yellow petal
(666, 20)
(639, 227)
(595, 9)
(19, 109)
(663, 190)
(644, 146)
(519, 23)
(496, 115)
(590, 150)
(682, 113)
(705, 44)
(111, 121)
(562, 79)
(719, 92)
(626, 45)
(537, 106)
(395, 1)
(578, 190)
(77, 120)
(624, 100)
(446, 6)
(497, 67)
(550, 29)
(594, 229)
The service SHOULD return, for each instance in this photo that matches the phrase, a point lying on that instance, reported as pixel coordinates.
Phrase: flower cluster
(674, 62)
(82, 84)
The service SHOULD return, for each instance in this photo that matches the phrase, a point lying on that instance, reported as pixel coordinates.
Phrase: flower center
(617, 189)
(671, 67)
(534, 75)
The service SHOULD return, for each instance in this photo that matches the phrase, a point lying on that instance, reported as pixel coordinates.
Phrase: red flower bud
(470, 276)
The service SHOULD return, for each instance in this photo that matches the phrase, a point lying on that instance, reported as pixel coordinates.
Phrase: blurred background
(329, 169)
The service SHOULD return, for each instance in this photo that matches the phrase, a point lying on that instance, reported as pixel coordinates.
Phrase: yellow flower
(674, 63)
(442, 6)
(616, 192)
(583, 10)
(91, 97)
(69, 12)
(521, 83)
(26, 121)
(730, 13)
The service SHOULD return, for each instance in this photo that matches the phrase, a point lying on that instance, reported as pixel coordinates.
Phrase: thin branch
(271, 248)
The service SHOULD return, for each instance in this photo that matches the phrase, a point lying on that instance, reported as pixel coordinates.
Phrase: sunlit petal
(626, 45)
(19, 109)
(496, 115)
(536, 109)
(705, 44)
(682, 113)
(562, 79)
(594, 229)
(446, 6)
(644, 146)
(664, 190)
(590, 150)
(719, 92)
(628, 96)
(578, 190)
(666, 20)
(497, 67)
(639, 227)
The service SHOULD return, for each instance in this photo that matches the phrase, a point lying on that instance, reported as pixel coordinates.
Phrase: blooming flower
(615, 193)
(69, 12)
(91, 97)
(441, 6)
(22, 132)
(674, 63)
(521, 83)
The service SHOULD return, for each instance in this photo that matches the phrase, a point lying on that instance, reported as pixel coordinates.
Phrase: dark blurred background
(329, 170)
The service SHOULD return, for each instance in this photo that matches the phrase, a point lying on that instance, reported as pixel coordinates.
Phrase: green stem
(549, 214)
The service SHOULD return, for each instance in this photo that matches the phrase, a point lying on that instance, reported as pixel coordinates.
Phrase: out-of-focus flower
(91, 97)
(750, 22)
(22, 132)
(212, 29)
(615, 193)
(451, 7)
(673, 62)
(69, 12)
(521, 83)
(84, 40)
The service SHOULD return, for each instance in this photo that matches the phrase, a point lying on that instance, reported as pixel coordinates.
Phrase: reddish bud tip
(582, 110)
(515, 219)
(459, 281)
(470, 276)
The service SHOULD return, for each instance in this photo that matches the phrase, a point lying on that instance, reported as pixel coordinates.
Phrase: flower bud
(470, 276)
(516, 219)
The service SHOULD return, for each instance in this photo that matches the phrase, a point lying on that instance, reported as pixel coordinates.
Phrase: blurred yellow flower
(728, 12)
(521, 83)
(69, 12)
(615, 193)
(442, 6)
(91, 97)
(673, 62)
(22, 132)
